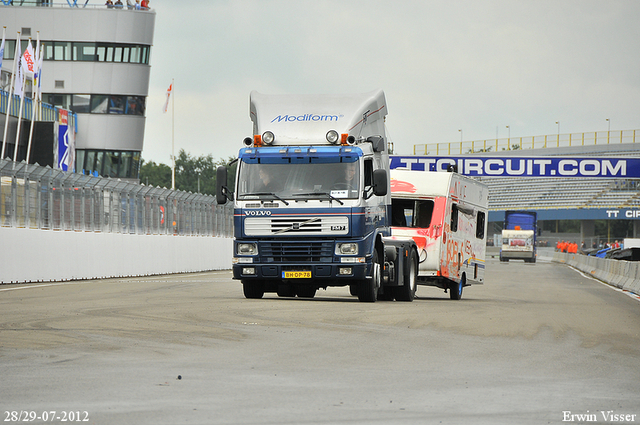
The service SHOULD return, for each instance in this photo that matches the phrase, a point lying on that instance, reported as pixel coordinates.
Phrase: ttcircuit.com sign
(523, 166)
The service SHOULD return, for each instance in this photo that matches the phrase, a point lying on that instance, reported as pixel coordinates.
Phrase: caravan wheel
(455, 289)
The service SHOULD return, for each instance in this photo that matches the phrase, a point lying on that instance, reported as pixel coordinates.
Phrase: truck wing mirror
(222, 192)
(380, 182)
(377, 142)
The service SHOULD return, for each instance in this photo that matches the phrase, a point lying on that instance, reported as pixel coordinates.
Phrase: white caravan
(445, 213)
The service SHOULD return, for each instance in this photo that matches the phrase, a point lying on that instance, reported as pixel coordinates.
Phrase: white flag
(28, 61)
(166, 104)
(25, 68)
(18, 84)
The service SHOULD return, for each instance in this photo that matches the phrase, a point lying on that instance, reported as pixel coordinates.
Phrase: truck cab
(519, 236)
(311, 199)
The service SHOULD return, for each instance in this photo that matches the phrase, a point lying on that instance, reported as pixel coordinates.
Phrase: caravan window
(410, 213)
(480, 225)
(454, 218)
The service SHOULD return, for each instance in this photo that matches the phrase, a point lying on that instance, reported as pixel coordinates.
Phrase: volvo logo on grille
(257, 213)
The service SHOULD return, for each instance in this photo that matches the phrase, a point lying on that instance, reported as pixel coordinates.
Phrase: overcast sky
(478, 66)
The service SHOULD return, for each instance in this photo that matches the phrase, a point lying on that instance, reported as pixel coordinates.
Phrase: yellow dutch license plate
(297, 274)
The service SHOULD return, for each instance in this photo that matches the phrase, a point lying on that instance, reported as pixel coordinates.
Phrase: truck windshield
(333, 180)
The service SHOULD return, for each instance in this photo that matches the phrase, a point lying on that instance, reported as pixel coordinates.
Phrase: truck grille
(299, 226)
(293, 251)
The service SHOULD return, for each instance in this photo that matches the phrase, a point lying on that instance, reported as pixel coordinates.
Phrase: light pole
(609, 124)
(460, 130)
(558, 123)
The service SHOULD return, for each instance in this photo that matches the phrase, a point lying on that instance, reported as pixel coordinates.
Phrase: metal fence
(38, 197)
(531, 142)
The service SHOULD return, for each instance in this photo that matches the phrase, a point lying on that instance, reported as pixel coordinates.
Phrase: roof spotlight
(268, 137)
(248, 141)
(332, 137)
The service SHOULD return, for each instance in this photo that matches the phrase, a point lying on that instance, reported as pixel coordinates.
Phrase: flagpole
(24, 83)
(15, 150)
(16, 57)
(34, 95)
(173, 156)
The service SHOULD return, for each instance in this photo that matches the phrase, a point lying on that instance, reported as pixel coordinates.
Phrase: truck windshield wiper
(267, 194)
(327, 194)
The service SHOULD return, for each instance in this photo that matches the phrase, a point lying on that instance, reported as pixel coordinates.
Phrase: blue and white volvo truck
(312, 200)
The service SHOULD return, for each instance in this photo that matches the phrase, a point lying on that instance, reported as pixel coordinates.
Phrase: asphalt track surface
(534, 342)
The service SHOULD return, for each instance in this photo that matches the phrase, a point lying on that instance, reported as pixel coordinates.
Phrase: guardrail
(82, 4)
(44, 111)
(38, 197)
(622, 274)
(530, 142)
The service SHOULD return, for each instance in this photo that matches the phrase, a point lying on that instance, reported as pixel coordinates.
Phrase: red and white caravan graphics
(445, 214)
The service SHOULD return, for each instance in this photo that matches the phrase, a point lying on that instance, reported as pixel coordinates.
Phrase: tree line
(193, 174)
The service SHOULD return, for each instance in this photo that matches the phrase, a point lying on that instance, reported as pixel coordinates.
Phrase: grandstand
(558, 198)
(506, 193)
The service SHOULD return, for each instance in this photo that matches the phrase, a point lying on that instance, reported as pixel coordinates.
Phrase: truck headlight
(247, 249)
(347, 248)
(268, 137)
(332, 137)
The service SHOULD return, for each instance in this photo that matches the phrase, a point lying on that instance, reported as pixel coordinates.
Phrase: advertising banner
(64, 140)
(510, 166)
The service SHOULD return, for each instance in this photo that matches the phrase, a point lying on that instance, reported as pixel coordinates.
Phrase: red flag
(166, 104)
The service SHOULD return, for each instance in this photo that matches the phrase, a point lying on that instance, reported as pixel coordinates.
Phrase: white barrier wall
(28, 255)
(622, 274)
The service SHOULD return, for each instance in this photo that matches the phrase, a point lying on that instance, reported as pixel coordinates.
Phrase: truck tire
(306, 291)
(455, 289)
(253, 289)
(368, 288)
(407, 291)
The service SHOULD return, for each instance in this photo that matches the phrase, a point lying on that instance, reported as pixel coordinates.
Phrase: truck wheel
(353, 289)
(306, 291)
(455, 289)
(407, 291)
(368, 288)
(253, 289)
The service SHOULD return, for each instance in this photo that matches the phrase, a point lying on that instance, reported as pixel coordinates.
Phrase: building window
(87, 52)
(58, 100)
(61, 51)
(98, 103)
(84, 52)
(80, 103)
(116, 164)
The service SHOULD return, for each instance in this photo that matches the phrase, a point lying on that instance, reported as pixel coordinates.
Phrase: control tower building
(96, 64)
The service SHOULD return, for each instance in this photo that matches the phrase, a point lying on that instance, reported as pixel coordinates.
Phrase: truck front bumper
(338, 273)
(517, 254)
